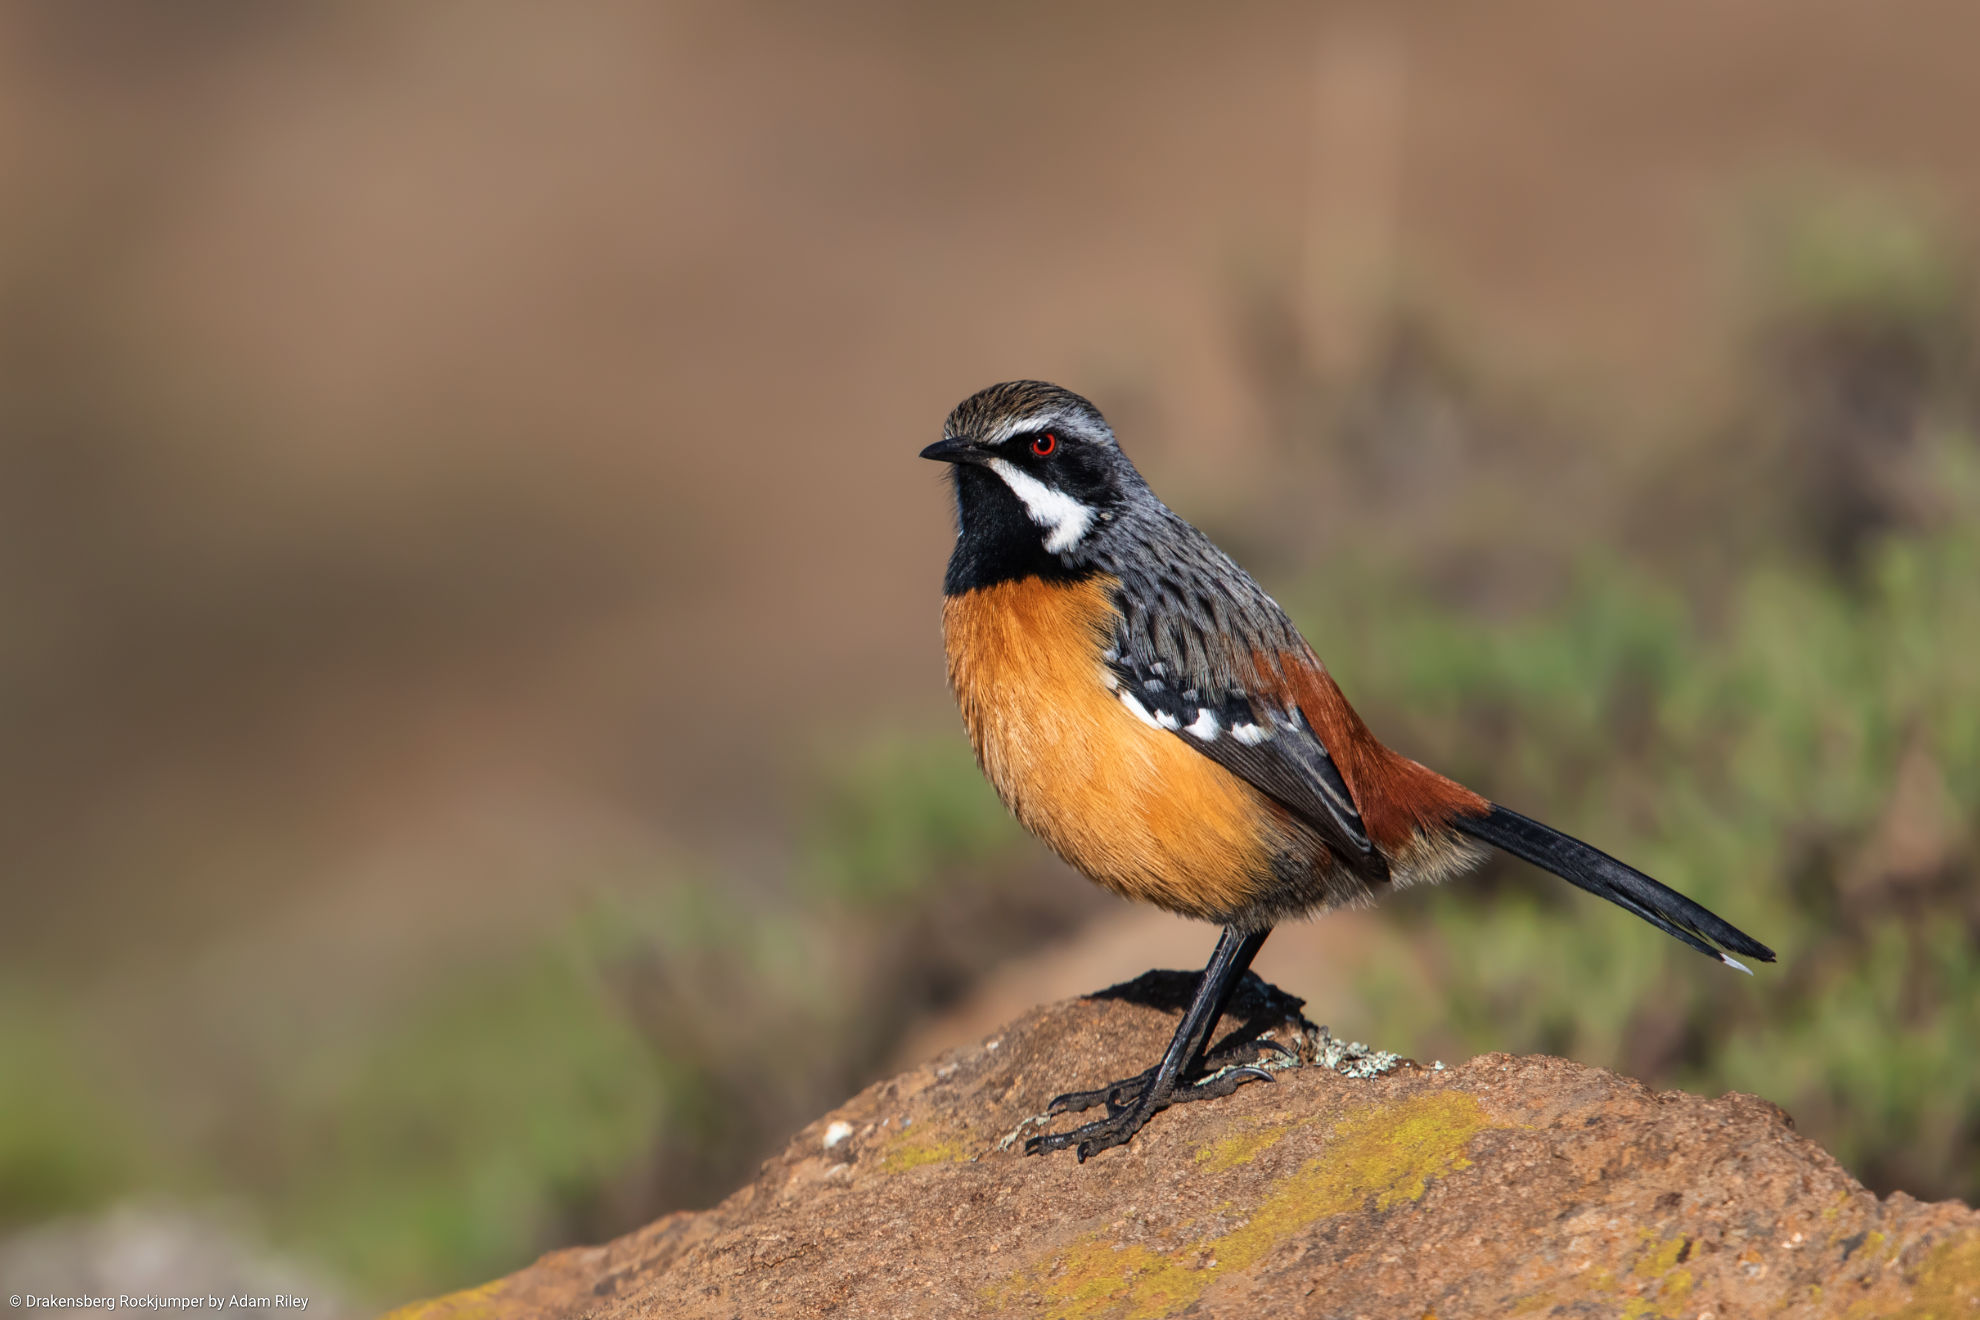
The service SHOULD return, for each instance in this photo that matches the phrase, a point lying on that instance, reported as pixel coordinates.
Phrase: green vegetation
(445, 1143)
(1776, 710)
(1856, 257)
(66, 1142)
(434, 1147)
(638, 1058)
(901, 813)
(1806, 763)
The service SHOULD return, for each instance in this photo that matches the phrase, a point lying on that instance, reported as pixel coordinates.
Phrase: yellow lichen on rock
(1657, 1284)
(918, 1146)
(1378, 1159)
(477, 1303)
(1247, 1143)
(1945, 1287)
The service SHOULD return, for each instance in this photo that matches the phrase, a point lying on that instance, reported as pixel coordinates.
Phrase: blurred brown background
(458, 514)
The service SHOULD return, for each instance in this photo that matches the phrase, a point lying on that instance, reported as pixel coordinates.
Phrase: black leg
(1132, 1101)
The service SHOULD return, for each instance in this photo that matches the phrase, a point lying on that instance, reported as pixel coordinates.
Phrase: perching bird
(1149, 712)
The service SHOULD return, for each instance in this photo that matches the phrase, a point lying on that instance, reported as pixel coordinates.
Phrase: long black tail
(1625, 886)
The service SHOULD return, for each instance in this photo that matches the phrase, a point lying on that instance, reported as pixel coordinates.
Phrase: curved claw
(1232, 1081)
(1073, 1102)
(1246, 1051)
(1048, 1141)
(1225, 1083)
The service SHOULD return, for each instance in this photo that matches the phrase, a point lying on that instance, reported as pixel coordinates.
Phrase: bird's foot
(1120, 1094)
(1132, 1101)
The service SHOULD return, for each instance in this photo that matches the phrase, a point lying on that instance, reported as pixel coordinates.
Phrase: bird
(1142, 706)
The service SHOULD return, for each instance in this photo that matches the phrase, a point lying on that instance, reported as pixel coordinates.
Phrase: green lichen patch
(1378, 1159)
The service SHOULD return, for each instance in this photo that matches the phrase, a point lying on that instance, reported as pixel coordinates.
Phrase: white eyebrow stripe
(1011, 426)
(1065, 517)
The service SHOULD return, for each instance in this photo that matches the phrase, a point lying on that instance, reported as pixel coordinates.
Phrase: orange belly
(1133, 807)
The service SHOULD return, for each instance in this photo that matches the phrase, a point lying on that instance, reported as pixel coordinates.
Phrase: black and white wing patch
(1268, 745)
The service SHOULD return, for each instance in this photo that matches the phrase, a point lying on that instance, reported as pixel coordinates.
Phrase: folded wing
(1264, 741)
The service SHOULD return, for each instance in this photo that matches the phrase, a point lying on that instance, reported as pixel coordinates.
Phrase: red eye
(1043, 445)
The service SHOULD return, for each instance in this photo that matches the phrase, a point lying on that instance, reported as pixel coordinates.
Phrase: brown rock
(1507, 1186)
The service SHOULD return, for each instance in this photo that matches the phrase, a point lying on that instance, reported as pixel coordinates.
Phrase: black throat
(998, 542)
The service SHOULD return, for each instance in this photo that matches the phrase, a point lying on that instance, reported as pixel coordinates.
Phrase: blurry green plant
(902, 812)
(1846, 255)
(441, 1144)
(449, 1144)
(67, 1142)
(636, 1059)
(1808, 766)
(1862, 371)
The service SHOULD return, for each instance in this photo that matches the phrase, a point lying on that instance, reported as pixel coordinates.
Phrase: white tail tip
(1735, 964)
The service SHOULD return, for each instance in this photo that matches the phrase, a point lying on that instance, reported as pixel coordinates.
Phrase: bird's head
(1039, 477)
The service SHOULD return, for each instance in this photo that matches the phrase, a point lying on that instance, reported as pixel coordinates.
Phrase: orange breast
(1132, 806)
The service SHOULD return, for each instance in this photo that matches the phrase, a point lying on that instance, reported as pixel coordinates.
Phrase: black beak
(951, 450)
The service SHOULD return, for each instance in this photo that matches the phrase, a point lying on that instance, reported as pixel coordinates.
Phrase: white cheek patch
(1064, 518)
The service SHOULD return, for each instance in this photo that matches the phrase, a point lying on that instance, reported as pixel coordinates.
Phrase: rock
(1524, 1186)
